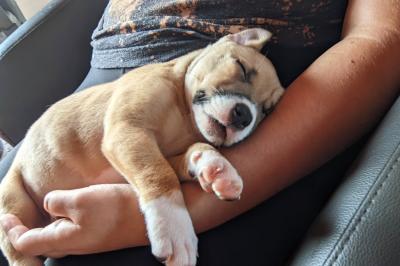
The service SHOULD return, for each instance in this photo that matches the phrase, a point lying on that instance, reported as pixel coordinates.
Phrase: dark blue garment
(133, 33)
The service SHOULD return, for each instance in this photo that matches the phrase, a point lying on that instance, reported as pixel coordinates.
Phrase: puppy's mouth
(217, 130)
(224, 120)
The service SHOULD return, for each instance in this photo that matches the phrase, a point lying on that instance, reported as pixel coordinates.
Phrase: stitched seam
(34, 27)
(361, 218)
(350, 224)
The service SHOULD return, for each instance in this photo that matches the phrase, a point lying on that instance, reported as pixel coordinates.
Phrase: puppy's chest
(176, 132)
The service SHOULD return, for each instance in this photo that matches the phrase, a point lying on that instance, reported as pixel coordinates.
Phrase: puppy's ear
(270, 103)
(255, 38)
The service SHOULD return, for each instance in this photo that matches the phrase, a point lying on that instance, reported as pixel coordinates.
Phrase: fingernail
(46, 203)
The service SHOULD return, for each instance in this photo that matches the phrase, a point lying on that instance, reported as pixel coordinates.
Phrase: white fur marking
(170, 229)
(219, 108)
(221, 170)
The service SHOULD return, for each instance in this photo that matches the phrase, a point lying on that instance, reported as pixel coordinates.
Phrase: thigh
(266, 235)
(98, 76)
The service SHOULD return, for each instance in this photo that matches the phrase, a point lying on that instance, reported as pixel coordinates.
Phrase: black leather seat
(345, 213)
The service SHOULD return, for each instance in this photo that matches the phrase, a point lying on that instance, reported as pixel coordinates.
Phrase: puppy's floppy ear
(255, 37)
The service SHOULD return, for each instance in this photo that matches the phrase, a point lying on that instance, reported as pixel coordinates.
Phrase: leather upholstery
(361, 223)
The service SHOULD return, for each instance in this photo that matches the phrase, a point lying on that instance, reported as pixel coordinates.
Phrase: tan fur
(131, 125)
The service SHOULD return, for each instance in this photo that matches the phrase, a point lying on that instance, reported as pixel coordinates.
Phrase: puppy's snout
(241, 116)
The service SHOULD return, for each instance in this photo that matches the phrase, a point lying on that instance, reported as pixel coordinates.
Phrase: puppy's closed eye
(199, 97)
(242, 67)
(247, 73)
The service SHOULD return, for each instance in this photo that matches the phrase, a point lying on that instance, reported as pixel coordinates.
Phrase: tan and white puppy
(155, 126)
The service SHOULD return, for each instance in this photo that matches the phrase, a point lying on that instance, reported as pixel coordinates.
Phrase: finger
(59, 203)
(58, 237)
(13, 228)
(9, 221)
(73, 203)
(41, 241)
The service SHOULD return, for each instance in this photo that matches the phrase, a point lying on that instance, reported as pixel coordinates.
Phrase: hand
(92, 219)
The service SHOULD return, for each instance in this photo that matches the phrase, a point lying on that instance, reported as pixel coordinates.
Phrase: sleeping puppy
(154, 127)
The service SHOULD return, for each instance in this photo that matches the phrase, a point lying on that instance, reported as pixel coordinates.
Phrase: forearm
(334, 102)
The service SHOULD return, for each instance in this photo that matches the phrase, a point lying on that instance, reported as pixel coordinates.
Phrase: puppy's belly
(107, 176)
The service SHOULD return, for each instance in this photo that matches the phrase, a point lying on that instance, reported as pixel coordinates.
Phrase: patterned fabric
(136, 32)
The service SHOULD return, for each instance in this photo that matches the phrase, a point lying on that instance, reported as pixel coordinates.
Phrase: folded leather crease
(363, 216)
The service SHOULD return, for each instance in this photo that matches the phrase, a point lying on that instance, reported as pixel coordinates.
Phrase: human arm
(335, 101)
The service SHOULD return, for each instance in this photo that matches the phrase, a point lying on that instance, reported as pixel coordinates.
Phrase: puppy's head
(232, 86)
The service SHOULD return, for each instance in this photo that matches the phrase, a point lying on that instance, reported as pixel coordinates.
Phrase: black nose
(241, 116)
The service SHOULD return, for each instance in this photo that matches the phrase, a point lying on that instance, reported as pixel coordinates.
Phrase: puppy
(155, 126)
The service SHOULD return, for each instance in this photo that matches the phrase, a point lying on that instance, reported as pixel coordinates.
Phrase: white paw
(215, 173)
(170, 230)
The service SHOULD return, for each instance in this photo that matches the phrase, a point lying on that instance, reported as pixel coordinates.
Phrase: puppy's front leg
(135, 154)
(213, 171)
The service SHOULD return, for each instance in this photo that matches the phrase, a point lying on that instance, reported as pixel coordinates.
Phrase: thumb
(59, 203)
